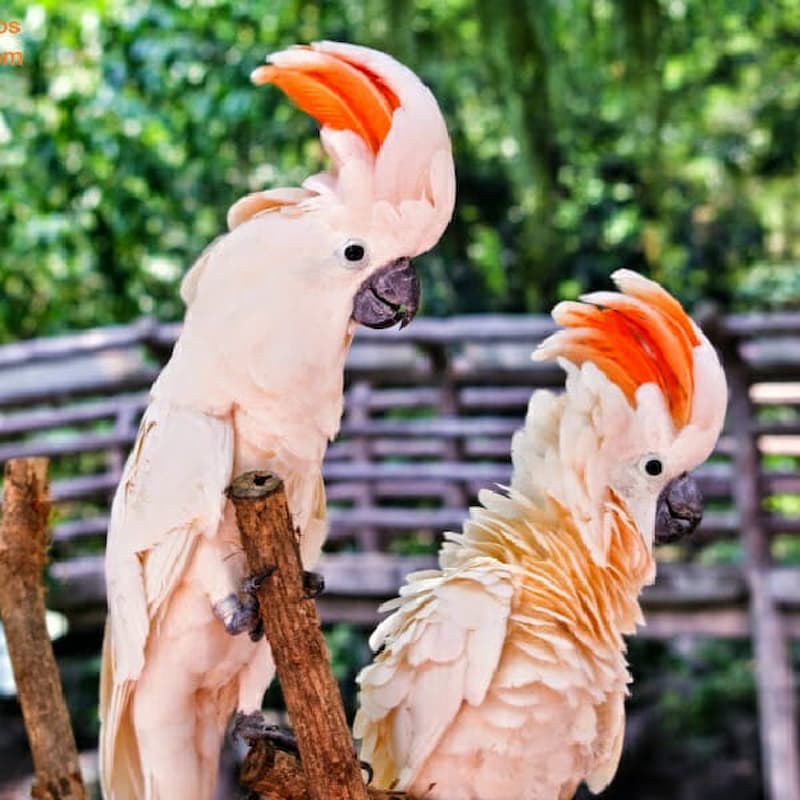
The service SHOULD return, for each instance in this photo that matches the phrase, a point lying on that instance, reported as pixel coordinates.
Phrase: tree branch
(23, 554)
(276, 775)
(292, 626)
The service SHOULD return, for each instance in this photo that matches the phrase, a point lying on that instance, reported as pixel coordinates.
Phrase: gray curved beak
(390, 295)
(679, 509)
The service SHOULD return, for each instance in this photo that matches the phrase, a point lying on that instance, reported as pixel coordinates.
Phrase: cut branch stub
(254, 485)
(23, 554)
(292, 627)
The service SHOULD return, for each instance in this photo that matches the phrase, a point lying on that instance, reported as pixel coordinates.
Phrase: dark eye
(653, 467)
(354, 252)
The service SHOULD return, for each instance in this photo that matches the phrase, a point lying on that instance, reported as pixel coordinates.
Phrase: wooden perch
(292, 627)
(23, 554)
(275, 775)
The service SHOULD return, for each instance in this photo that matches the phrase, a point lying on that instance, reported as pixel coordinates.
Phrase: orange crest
(640, 336)
(339, 93)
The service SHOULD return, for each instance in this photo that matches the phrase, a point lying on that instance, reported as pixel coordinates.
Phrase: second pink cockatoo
(502, 675)
(256, 382)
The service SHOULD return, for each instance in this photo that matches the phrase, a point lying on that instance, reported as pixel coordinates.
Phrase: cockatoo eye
(653, 466)
(354, 253)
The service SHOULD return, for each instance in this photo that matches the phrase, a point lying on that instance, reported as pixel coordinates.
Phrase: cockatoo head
(387, 197)
(646, 403)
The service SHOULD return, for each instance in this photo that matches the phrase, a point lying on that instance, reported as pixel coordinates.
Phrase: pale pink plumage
(502, 674)
(255, 381)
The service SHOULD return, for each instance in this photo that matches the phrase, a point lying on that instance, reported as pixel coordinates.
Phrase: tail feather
(120, 767)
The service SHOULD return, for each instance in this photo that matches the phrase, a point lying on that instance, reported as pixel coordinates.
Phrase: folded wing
(441, 646)
(171, 492)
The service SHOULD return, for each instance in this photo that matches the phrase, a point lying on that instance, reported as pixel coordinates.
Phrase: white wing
(441, 645)
(172, 491)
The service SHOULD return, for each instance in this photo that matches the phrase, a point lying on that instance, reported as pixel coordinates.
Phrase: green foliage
(786, 549)
(81, 677)
(349, 652)
(723, 551)
(421, 543)
(717, 684)
(661, 135)
(692, 720)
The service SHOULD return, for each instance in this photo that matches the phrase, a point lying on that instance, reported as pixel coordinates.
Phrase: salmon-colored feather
(639, 337)
(376, 80)
(336, 93)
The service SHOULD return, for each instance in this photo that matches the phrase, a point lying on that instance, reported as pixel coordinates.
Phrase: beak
(388, 296)
(679, 509)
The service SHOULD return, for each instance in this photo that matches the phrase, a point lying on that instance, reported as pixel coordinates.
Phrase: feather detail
(337, 93)
(250, 205)
(430, 666)
(449, 677)
(641, 336)
(383, 131)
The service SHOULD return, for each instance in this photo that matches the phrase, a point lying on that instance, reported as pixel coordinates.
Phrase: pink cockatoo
(502, 674)
(256, 382)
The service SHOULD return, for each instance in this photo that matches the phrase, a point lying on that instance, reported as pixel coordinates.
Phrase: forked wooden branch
(23, 554)
(292, 627)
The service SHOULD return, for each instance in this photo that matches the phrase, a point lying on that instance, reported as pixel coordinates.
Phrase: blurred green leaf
(588, 136)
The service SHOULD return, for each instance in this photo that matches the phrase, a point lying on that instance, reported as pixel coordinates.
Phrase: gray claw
(313, 584)
(252, 583)
(252, 727)
(367, 767)
(256, 633)
(238, 613)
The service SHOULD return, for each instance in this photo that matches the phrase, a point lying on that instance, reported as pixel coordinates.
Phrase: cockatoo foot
(313, 584)
(252, 583)
(240, 614)
(254, 726)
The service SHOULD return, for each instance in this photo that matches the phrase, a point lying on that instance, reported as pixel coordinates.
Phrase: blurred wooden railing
(428, 422)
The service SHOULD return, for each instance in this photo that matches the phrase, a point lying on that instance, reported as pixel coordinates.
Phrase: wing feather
(441, 646)
(171, 492)
(611, 729)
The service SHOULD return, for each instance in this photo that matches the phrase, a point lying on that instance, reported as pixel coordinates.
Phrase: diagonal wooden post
(23, 554)
(292, 625)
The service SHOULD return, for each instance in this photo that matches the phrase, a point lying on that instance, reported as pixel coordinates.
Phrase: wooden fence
(428, 420)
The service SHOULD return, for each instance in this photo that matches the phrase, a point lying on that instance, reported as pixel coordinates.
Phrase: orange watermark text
(10, 58)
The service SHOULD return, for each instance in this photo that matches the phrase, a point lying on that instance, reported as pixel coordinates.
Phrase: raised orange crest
(338, 92)
(640, 335)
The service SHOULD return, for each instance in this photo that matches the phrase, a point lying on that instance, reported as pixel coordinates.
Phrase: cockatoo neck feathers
(636, 337)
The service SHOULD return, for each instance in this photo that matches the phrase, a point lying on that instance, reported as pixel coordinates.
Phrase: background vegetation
(662, 135)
